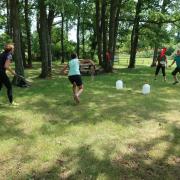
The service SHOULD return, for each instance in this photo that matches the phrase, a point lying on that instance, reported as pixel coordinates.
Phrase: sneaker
(14, 104)
(175, 82)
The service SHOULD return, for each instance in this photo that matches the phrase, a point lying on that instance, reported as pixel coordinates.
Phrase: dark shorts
(176, 70)
(162, 68)
(76, 79)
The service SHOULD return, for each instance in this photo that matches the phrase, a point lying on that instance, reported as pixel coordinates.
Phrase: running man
(177, 69)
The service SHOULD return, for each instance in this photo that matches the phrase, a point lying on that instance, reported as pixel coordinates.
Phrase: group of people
(74, 74)
(162, 64)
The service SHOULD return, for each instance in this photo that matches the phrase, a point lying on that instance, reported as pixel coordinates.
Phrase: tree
(28, 31)
(16, 37)
(43, 35)
(135, 34)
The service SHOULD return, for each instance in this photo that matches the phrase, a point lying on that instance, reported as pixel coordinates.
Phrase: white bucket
(119, 84)
(146, 89)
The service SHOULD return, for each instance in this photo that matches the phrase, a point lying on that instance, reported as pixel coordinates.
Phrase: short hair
(73, 55)
(8, 47)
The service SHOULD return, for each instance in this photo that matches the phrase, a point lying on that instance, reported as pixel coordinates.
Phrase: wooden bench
(87, 66)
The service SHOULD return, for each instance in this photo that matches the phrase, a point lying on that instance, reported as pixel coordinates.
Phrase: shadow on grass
(135, 164)
(8, 128)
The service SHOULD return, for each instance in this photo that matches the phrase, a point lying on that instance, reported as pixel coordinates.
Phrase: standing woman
(5, 61)
(162, 62)
(74, 76)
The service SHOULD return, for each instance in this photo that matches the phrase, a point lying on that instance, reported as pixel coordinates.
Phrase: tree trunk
(135, 35)
(43, 39)
(104, 33)
(16, 37)
(83, 39)
(116, 26)
(28, 33)
(158, 34)
(62, 37)
(99, 31)
(155, 55)
(9, 23)
(112, 26)
(50, 20)
(78, 34)
(23, 50)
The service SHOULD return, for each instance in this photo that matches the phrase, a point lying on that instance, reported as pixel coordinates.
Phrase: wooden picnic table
(87, 66)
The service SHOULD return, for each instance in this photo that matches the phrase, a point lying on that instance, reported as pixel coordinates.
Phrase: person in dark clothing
(162, 62)
(5, 61)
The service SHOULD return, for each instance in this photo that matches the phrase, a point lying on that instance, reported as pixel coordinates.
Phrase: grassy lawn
(112, 134)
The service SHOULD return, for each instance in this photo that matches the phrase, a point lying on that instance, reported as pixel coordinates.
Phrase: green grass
(111, 134)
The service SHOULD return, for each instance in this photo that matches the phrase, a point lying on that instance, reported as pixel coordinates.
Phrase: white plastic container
(119, 84)
(146, 89)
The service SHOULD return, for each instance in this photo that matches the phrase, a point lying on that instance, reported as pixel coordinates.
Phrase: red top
(108, 56)
(163, 51)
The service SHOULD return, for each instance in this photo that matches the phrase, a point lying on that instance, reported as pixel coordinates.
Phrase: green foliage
(170, 50)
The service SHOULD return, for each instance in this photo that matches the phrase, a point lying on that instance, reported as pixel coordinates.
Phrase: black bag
(20, 82)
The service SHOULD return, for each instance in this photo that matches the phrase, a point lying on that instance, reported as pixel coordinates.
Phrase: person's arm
(172, 63)
(166, 61)
(7, 67)
(64, 68)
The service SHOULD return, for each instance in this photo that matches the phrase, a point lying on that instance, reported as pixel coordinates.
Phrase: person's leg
(164, 72)
(157, 71)
(79, 85)
(8, 85)
(80, 90)
(74, 88)
(174, 73)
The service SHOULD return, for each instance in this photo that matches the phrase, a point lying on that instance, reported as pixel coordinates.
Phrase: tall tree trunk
(155, 55)
(83, 39)
(135, 35)
(9, 23)
(158, 34)
(62, 37)
(116, 26)
(99, 31)
(49, 53)
(78, 33)
(43, 39)
(67, 28)
(23, 50)
(50, 20)
(28, 32)
(112, 25)
(16, 37)
(104, 33)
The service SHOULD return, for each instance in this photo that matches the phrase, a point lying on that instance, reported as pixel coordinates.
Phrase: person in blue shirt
(177, 69)
(5, 61)
(74, 76)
